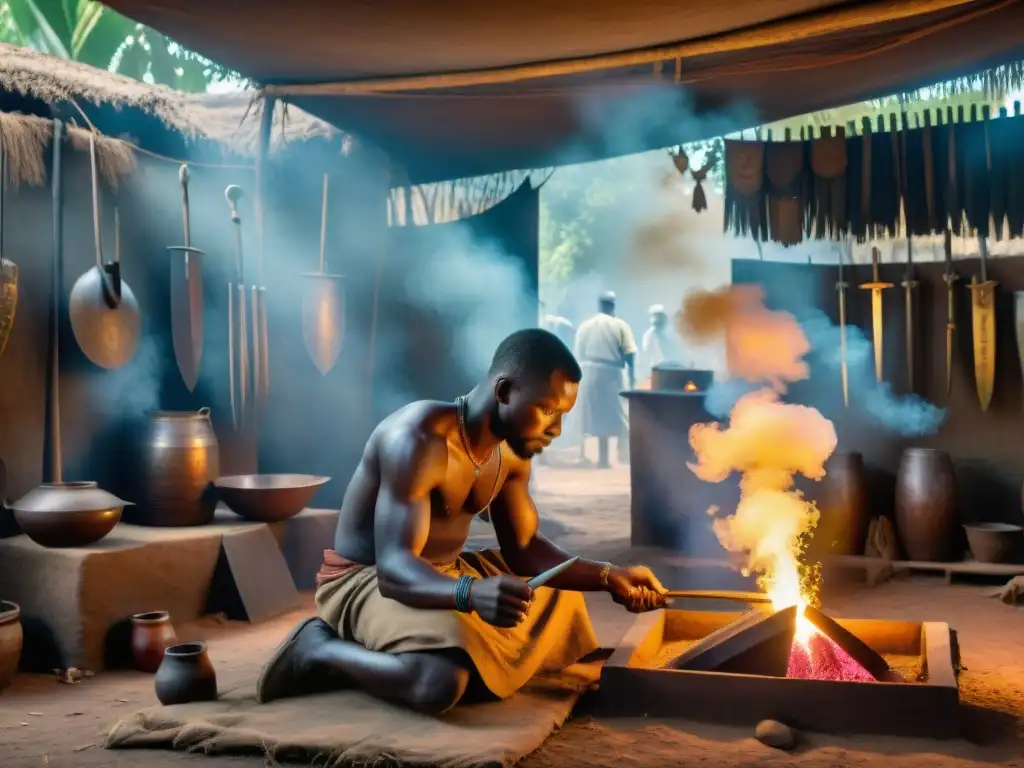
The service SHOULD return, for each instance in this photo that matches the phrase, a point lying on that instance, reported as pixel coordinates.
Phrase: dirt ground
(44, 723)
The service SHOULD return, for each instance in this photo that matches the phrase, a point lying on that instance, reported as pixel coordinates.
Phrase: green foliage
(89, 32)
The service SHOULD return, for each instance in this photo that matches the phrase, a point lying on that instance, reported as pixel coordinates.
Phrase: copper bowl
(67, 514)
(268, 498)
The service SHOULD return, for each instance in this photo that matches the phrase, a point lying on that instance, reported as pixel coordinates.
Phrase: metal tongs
(239, 363)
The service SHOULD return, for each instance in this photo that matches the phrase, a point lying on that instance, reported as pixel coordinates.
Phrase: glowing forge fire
(767, 442)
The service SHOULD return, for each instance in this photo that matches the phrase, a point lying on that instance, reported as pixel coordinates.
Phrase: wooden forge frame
(630, 686)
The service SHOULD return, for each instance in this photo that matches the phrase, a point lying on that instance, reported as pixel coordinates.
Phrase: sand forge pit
(815, 673)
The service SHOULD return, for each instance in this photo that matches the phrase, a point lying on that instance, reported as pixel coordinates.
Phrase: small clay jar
(151, 634)
(186, 675)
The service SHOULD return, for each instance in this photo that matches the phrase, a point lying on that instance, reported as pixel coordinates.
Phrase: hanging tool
(187, 295)
(104, 313)
(949, 277)
(323, 306)
(876, 286)
(841, 292)
(238, 342)
(983, 312)
(909, 285)
(717, 594)
(260, 341)
(8, 271)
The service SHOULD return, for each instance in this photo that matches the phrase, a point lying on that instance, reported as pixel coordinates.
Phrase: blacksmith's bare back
(452, 505)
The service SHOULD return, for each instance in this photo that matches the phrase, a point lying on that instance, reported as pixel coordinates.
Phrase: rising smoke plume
(766, 441)
(769, 347)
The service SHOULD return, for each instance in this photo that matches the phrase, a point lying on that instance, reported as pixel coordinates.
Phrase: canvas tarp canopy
(462, 87)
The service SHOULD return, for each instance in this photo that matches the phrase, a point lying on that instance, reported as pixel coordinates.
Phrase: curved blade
(983, 321)
(187, 312)
(543, 578)
(323, 320)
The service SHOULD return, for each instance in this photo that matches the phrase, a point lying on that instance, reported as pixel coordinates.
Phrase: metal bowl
(268, 498)
(67, 514)
(995, 542)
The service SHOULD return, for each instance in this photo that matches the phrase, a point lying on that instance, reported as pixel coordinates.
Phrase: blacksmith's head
(535, 379)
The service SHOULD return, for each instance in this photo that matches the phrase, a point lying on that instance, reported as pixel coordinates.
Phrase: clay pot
(926, 504)
(10, 641)
(151, 634)
(995, 542)
(843, 504)
(67, 514)
(181, 459)
(185, 675)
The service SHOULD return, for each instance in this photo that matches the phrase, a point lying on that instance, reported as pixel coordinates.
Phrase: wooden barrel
(926, 504)
(843, 504)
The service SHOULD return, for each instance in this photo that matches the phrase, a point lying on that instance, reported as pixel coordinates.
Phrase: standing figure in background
(660, 343)
(604, 346)
(563, 328)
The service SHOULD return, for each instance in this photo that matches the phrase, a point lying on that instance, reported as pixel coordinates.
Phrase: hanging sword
(909, 284)
(876, 286)
(983, 312)
(949, 277)
(841, 291)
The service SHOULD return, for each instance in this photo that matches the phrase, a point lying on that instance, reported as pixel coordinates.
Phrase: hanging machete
(983, 314)
(876, 286)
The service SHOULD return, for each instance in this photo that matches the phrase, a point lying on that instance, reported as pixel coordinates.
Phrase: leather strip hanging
(940, 174)
(700, 199)
(858, 200)
(1014, 160)
(745, 212)
(913, 182)
(885, 193)
(788, 190)
(828, 162)
(971, 146)
(1001, 140)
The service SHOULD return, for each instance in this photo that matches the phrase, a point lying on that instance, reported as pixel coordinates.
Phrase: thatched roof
(219, 118)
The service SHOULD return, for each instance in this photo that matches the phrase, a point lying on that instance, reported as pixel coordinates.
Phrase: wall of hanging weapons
(952, 172)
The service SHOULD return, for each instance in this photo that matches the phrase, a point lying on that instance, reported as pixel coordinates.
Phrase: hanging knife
(876, 286)
(187, 296)
(949, 277)
(841, 291)
(983, 311)
(909, 284)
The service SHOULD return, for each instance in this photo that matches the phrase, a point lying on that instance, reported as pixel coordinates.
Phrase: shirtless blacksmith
(405, 613)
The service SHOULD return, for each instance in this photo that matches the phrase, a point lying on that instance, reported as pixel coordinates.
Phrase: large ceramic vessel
(926, 504)
(181, 458)
(843, 504)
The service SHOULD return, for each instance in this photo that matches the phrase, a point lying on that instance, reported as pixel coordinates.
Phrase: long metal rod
(717, 594)
(57, 188)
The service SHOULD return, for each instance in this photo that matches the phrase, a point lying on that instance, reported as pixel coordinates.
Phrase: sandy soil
(44, 723)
